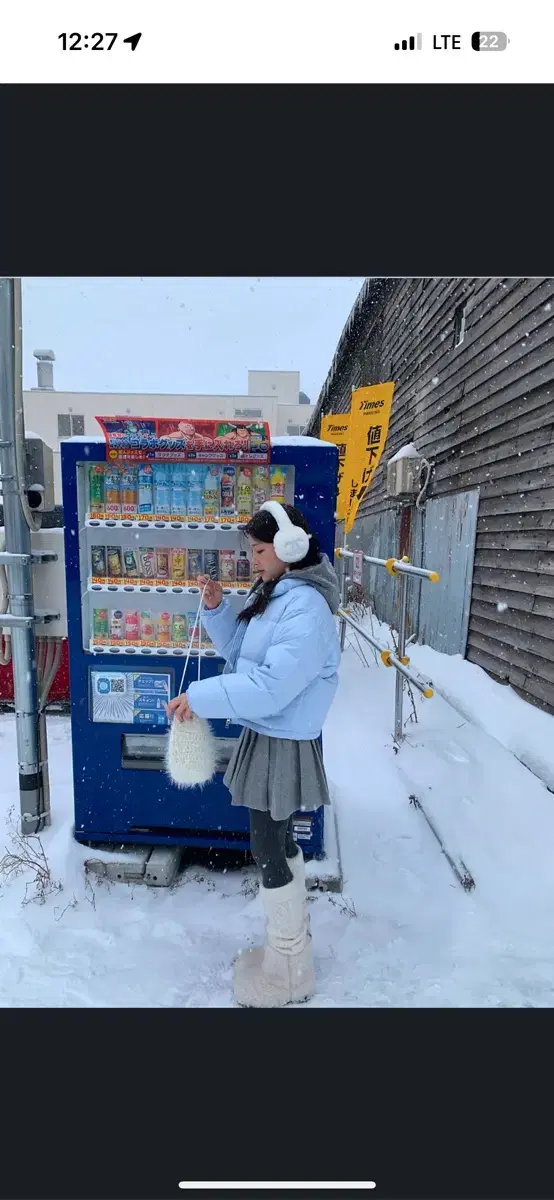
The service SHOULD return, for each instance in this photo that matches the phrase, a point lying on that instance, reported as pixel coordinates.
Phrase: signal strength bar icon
(413, 43)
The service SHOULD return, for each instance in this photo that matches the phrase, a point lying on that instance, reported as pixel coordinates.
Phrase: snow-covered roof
(298, 440)
(87, 437)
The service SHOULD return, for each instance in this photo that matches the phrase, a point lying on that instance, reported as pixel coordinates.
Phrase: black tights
(271, 843)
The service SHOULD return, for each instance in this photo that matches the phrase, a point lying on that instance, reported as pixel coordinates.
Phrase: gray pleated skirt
(277, 775)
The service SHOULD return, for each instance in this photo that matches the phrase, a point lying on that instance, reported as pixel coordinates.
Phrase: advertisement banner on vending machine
(130, 697)
(131, 439)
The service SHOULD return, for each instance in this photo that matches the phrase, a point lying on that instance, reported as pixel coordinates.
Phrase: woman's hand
(214, 592)
(180, 708)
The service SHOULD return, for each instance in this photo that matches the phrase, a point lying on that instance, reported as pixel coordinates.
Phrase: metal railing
(401, 569)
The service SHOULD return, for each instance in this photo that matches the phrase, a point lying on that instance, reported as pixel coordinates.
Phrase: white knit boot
(297, 866)
(286, 973)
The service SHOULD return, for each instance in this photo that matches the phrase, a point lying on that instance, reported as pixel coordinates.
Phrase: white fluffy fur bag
(191, 753)
(191, 756)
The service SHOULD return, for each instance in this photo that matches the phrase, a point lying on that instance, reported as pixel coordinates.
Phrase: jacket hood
(322, 576)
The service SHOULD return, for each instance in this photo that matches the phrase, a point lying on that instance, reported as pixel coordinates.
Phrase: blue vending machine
(145, 511)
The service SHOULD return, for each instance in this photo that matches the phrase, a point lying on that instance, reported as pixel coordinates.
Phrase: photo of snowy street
(248, 609)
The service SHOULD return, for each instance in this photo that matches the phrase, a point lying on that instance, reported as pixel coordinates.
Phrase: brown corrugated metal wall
(483, 413)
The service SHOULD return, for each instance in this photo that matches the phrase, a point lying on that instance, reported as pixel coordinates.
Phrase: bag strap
(197, 625)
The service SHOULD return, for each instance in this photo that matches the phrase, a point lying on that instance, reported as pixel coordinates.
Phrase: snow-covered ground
(403, 933)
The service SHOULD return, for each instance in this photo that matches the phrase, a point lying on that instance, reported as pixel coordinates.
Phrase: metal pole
(399, 683)
(19, 571)
(343, 591)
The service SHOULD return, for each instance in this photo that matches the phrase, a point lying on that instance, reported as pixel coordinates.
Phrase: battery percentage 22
(489, 41)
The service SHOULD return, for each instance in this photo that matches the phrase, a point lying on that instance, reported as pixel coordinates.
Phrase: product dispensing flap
(174, 440)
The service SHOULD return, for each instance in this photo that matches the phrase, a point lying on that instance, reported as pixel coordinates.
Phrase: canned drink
(163, 629)
(145, 491)
(227, 566)
(97, 472)
(147, 562)
(178, 630)
(132, 628)
(162, 564)
(98, 562)
(146, 629)
(244, 494)
(178, 565)
(130, 562)
(129, 491)
(100, 626)
(207, 643)
(179, 486)
(195, 564)
(227, 492)
(211, 498)
(115, 566)
(278, 484)
(195, 493)
(260, 486)
(211, 563)
(194, 630)
(112, 492)
(162, 489)
(116, 625)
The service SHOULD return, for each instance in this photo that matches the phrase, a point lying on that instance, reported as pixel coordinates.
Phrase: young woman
(279, 681)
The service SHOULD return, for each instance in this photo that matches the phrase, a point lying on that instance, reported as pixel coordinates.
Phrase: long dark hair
(263, 528)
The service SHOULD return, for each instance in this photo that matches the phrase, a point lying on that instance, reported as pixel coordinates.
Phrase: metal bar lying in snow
(463, 875)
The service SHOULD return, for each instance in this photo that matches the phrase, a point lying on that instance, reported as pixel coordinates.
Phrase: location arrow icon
(133, 40)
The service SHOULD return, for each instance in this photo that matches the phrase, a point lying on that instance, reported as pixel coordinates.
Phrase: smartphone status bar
(280, 41)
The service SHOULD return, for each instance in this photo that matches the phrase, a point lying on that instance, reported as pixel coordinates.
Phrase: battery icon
(489, 41)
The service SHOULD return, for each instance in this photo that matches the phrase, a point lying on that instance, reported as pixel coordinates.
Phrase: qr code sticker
(117, 685)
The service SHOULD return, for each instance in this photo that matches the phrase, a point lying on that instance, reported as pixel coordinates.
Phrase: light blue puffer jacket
(285, 677)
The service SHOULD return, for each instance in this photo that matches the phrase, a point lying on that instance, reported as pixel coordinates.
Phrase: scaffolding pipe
(387, 657)
(424, 686)
(368, 637)
(394, 566)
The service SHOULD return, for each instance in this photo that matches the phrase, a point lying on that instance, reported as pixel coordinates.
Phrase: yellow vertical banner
(335, 429)
(369, 426)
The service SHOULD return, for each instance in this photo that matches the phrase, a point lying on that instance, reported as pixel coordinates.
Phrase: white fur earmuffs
(191, 757)
(291, 544)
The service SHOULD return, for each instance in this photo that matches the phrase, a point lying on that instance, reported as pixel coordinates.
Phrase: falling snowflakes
(502, 608)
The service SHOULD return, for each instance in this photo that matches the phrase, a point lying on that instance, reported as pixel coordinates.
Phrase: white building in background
(273, 396)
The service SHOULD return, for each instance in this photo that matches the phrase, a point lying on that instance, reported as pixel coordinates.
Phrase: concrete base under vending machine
(158, 866)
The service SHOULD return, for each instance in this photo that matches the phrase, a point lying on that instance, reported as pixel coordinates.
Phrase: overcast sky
(198, 335)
